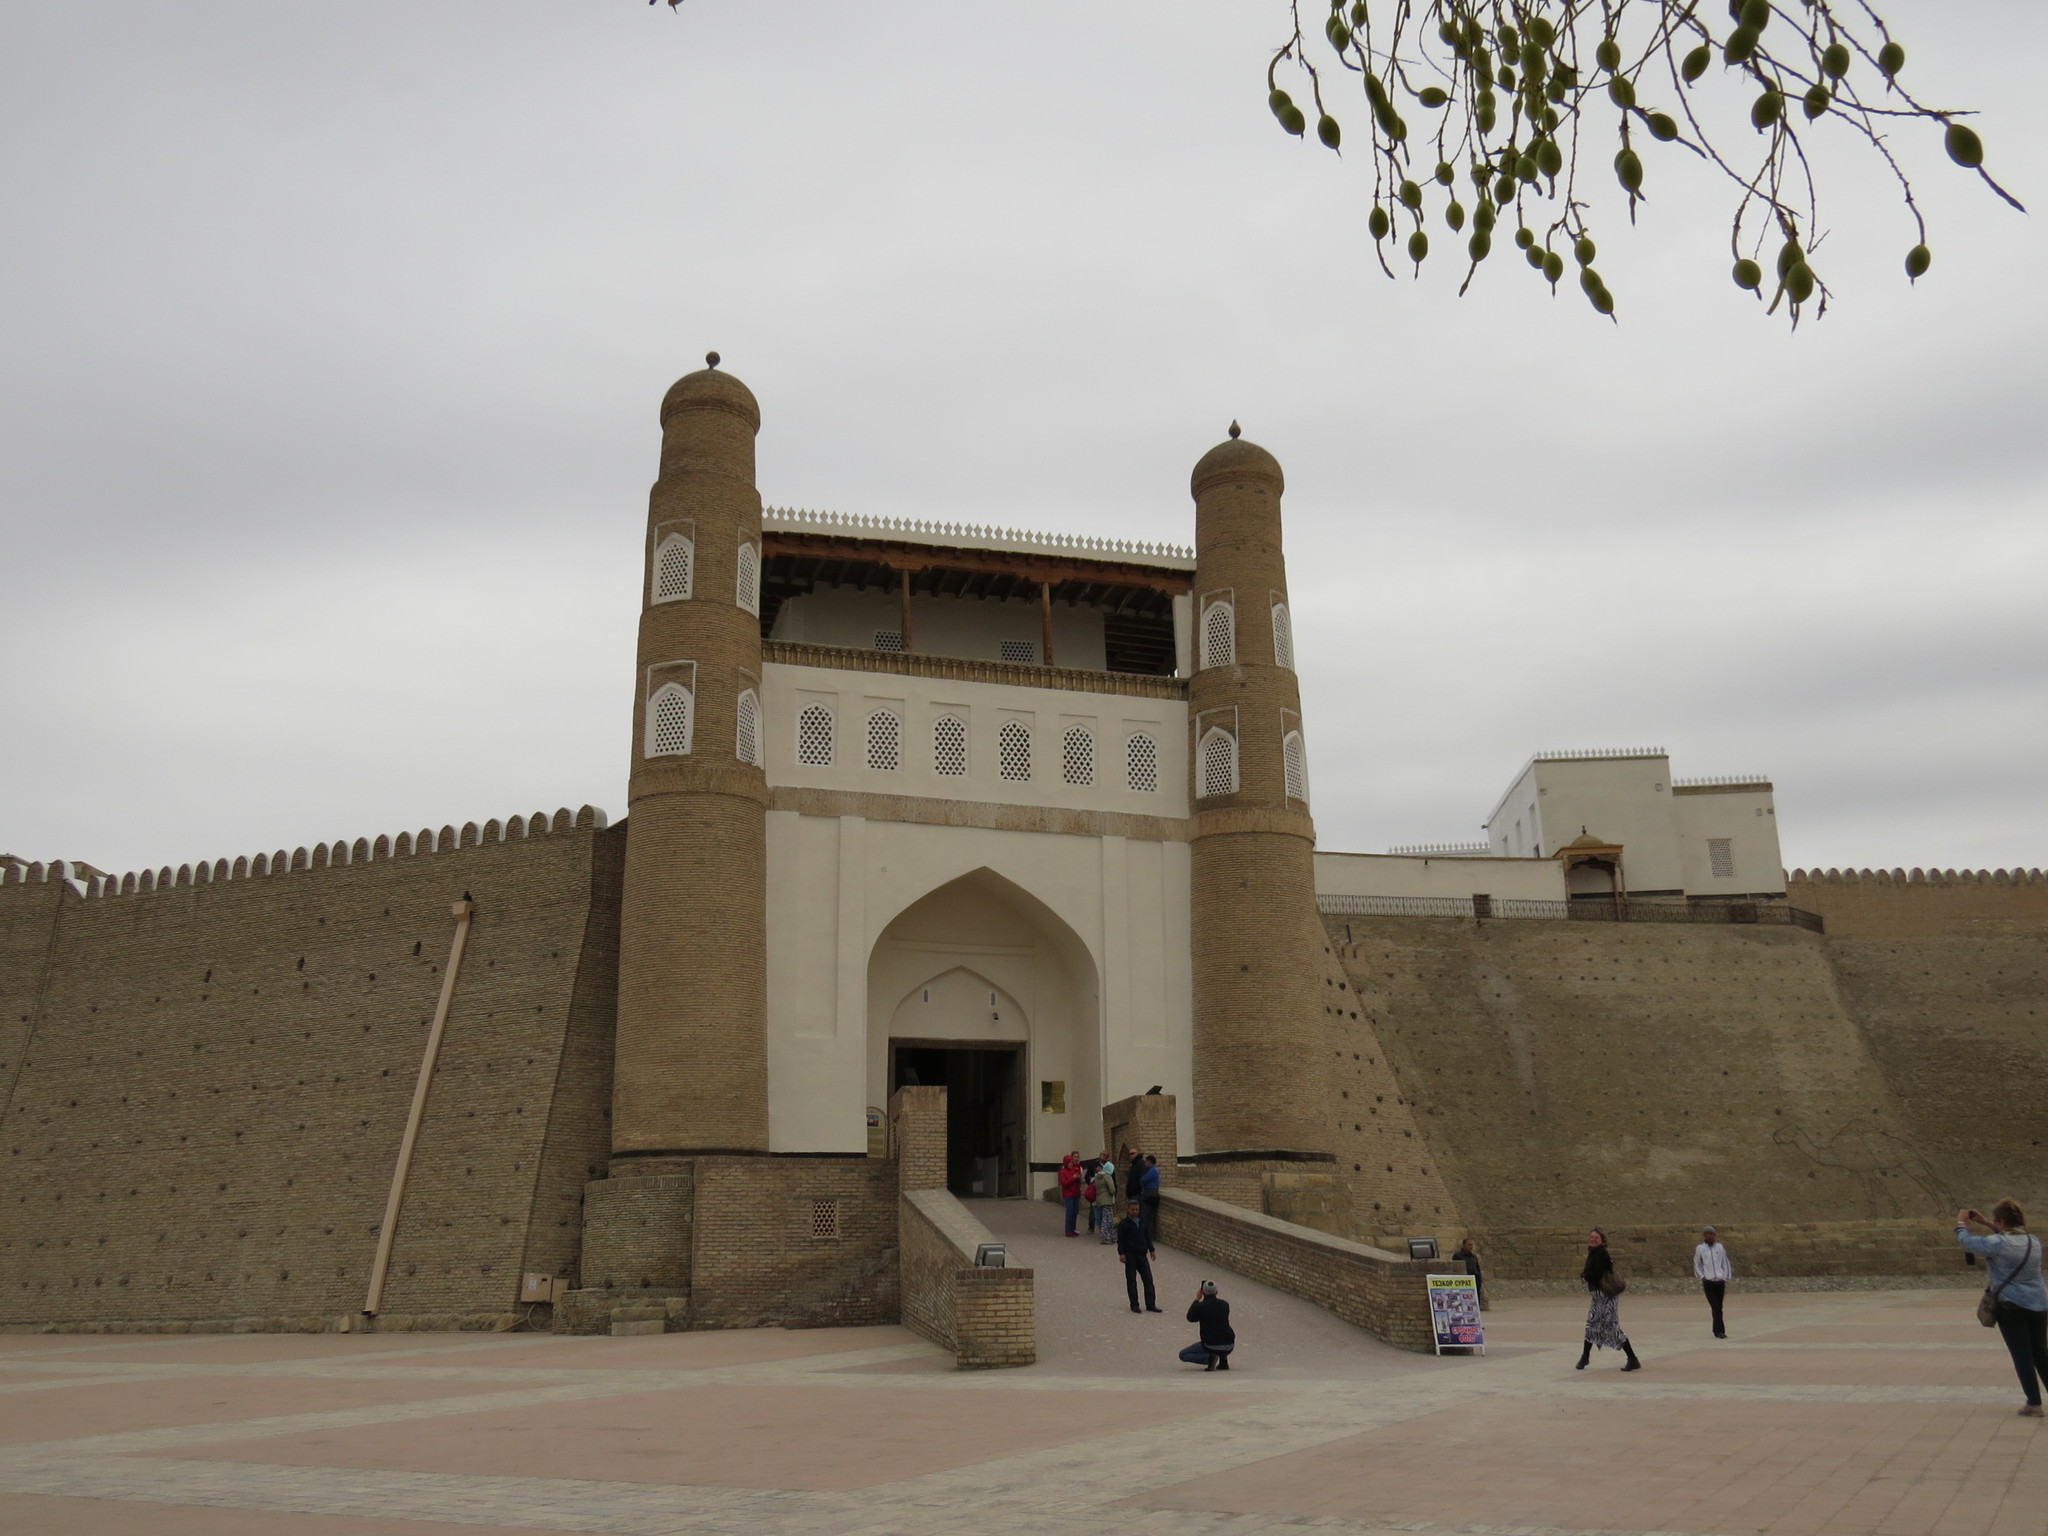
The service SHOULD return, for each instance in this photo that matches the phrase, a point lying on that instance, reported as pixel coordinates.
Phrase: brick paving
(1848, 1414)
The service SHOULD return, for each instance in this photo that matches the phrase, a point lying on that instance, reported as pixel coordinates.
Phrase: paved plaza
(1886, 1413)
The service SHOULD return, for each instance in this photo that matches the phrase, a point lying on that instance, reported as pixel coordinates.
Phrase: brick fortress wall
(207, 1074)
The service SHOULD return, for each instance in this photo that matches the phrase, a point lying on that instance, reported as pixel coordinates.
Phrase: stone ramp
(1085, 1327)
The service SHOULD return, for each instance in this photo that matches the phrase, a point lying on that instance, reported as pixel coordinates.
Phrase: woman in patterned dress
(1603, 1317)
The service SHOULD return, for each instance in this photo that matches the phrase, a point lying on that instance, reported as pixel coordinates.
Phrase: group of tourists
(1089, 1191)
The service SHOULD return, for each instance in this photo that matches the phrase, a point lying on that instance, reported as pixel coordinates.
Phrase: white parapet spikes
(1055, 543)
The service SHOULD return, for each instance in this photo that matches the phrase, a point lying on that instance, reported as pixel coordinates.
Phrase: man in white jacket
(1710, 1264)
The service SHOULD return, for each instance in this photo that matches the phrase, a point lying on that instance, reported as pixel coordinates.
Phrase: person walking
(2019, 1305)
(1134, 1251)
(1147, 1191)
(1212, 1313)
(1603, 1318)
(1711, 1267)
(1469, 1252)
(1070, 1188)
(1104, 1214)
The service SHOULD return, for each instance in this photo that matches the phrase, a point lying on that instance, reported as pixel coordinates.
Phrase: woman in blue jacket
(2012, 1259)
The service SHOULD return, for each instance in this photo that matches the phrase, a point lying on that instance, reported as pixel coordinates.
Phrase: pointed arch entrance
(980, 986)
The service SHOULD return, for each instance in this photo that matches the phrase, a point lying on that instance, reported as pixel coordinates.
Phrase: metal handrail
(1600, 909)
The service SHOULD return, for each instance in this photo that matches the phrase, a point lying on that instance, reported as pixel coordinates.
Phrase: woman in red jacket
(1070, 1188)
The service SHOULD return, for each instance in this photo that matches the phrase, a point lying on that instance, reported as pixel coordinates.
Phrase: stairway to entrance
(1085, 1326)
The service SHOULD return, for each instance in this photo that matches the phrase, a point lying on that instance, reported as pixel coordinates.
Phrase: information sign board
(1454, 1312)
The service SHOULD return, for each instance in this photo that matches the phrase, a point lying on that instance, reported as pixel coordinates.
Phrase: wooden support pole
(905, 621)
(1045, 615)
(396, 1199)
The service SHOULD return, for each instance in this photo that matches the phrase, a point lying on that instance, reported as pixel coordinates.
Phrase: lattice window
(1141, 763)
(1218, 763)
(675, 562)
(814, 736)
(747, 745)
(888, 639)
(1721, 857)
(669, 715)
(746, 587)
(885, 741)
(1025, 651)
(1283, 637)
(1294, 764)
(949, 746)
(1219, 635)
(1077, 755)
(825, 1220)
(1013, 751)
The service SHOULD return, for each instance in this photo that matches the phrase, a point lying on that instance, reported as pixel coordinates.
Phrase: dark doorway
(985, 1153)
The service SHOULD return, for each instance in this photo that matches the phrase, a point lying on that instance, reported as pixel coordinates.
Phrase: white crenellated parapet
(1568, 756)
(976, 536)
(332, 855)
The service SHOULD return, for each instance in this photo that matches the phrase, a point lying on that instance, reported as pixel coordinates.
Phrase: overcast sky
(333, 338)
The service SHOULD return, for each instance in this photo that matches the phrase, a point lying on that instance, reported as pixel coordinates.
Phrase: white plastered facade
(1073, 942)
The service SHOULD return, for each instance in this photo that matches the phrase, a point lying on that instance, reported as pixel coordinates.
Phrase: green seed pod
(1663, 127)
(1815, 100)
(1328, 131)
(1549, 158)
(1558, 88)
(1279, 101)
(1534, 61)
(1376, 93)
(1799, 283)
(1891, 58)
(1608, 54)
(1767, 109)
(1621, 91)
(1527, 168)
(1525, 237)
(1541, 33)
(1748, 274)
(1418, 247)
(1834, 60)
(1410, 195)
(1396, 127)
(1455, 215)
(1480, 246)
(1918, 260)
(1553, 266)
(1741, 44)
(1431, 96)
(1696, 63)
(1789, 256)
(1482, 112)
(1596, 291)
(1506, 78)
(1446, 173)
(1359, 11)
(1445, 30)
(1483, 216)
(1628, 169)
(1964, 147)
(1534, 256)
(1755, 14)
(1510, 41)
(1504, 189)
(1338, 34)
(1482, 63)
(1292, 120)
(1583, 249)
(1377, 222)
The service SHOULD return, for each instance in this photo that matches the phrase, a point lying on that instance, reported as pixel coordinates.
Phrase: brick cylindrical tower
(1257, 941)
(691, 1070)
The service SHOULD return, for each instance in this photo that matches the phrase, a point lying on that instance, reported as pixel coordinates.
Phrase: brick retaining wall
(1367, 1287)
(987, 1317)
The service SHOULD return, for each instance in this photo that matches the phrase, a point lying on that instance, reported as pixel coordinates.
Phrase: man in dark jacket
(1212, 1312)
(1147, 1190)
(1134, 1251)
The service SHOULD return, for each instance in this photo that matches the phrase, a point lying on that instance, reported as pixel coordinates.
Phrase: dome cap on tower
(710, 390)
(1234, 458)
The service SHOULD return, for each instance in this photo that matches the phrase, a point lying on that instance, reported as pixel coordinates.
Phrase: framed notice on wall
(1454, 1312)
